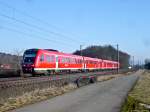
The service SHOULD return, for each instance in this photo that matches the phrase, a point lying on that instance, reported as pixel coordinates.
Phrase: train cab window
(42, 58)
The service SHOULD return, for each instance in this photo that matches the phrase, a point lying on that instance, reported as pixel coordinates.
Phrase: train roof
(69, 55)
(60, 53)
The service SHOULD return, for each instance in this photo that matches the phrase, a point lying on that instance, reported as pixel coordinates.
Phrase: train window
(79, 61)
(63, 60)
(71, 60)
(53, 58)
(42, 57)
(29, 59)
(86, 62)
(74, 61)
(67, 60)
(48, 58)
(31, 51)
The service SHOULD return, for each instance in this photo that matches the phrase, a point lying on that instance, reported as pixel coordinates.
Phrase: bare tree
(19, 54)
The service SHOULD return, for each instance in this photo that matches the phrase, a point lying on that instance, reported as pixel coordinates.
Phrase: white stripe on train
(69, 68)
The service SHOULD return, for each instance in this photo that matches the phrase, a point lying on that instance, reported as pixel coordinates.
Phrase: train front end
(29, 59)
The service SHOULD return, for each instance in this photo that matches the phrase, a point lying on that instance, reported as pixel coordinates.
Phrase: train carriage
(40, 61)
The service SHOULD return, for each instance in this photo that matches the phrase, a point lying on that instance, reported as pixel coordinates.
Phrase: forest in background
(9, 61)
(105, 52)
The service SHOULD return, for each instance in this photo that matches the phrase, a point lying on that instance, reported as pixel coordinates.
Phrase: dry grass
(107, 77)
(139, 97)
(35, 96)
(141, 91)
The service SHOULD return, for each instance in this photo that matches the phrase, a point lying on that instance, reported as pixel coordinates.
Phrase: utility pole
(81, 50)
(133, 62)
(118, 57)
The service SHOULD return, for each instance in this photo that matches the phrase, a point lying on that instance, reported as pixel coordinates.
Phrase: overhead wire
(27, 24)
(33, 36)
(28, 35)
(37, 19)
(42, 36)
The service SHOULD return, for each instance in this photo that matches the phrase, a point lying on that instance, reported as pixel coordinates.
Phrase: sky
(66, 24)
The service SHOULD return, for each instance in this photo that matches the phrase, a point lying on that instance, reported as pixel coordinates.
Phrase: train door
(56, 62)
(83, 64)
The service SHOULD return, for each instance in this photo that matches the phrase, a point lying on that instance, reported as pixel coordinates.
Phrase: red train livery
(47, 61)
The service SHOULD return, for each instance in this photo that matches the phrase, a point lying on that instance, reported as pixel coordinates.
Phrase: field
(138, 99)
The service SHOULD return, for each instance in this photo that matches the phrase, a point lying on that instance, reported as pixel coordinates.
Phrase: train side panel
(56, 61)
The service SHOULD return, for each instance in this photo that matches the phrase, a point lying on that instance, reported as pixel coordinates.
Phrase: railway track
(7, 82)
(51, 76)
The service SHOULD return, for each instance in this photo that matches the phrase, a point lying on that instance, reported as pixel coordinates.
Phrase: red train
(47, 61)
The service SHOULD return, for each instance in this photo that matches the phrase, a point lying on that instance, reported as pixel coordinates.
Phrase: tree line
(147, 63)
(105, 52)
(9, 60)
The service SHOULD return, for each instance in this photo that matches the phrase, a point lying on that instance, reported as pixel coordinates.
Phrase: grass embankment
(35, 96)
(138, 99)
